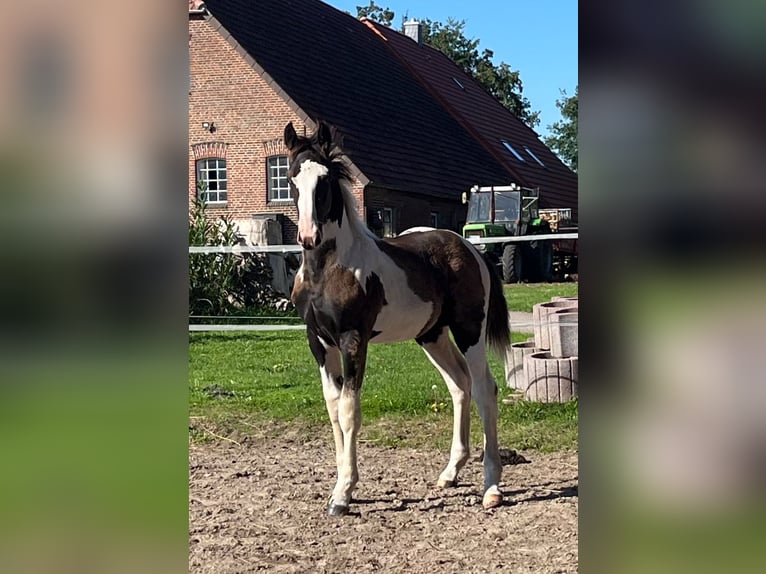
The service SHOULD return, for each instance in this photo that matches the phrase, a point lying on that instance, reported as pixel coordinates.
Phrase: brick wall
(249, 118)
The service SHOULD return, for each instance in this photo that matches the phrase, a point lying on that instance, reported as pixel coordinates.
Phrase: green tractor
(510, 211)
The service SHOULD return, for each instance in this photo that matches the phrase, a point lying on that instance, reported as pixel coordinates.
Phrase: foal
(353, 289)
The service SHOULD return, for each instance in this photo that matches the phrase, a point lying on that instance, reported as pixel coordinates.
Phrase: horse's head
(314, 175)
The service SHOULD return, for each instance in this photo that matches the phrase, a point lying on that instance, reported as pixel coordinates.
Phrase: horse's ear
(324, 135)
(291, 138)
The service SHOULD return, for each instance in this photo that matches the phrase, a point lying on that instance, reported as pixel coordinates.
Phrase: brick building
(417, 131)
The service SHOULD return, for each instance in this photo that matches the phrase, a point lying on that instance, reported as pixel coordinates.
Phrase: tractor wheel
(511, 263)
(546, 261)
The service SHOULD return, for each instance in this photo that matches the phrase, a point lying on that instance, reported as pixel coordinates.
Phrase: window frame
(206, 194)
(533, 156)
(286, 188)
(512, 149)
(391, 220)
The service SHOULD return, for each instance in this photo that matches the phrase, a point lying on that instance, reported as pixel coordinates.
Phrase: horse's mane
(332, 155)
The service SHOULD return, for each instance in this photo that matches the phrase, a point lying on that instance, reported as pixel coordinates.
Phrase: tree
(375, 12)
(563, 138)
(502, 83)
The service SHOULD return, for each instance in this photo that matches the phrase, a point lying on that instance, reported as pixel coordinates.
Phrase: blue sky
(536, 37)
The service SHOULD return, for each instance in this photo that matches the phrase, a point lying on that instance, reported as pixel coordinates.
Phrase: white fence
(245, 249)
(239, 249)
(520, 238)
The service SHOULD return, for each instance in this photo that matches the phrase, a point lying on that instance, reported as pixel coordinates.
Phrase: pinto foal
(353, 289)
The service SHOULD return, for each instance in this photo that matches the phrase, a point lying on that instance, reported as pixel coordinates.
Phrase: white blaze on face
(306, 182)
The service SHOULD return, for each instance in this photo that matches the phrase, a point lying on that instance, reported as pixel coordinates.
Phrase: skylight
(458, 83)
(509, 147)
(537, 159)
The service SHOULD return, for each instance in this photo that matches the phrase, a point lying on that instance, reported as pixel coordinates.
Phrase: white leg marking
(453, 368)
(332, 372)
(485, 396)
(350, 417)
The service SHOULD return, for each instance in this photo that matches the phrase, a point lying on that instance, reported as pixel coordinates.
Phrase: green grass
(522, 296)
(243, 378)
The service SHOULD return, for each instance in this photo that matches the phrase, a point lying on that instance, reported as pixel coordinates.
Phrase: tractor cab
(500, 211)
(508, 211)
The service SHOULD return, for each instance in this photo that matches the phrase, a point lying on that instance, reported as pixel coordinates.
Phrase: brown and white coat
(354, 289)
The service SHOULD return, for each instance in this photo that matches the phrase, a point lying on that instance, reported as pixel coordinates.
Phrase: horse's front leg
(332, 383)
(328, 359)
(353, 348)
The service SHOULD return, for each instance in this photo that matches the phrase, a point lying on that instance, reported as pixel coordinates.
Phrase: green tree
(502, 82)
(563, 138)
(375, 12)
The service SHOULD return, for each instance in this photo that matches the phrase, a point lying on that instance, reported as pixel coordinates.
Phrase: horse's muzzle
(310, 241)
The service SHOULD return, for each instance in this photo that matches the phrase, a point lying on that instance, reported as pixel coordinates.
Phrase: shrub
(226, 283)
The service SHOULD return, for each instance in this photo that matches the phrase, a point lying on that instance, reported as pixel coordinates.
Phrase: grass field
(244, 378)
(523, 296)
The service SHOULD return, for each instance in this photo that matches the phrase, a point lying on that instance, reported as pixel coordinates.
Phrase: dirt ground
(260, 506)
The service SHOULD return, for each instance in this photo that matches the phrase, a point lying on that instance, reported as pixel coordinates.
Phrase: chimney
(414, 29)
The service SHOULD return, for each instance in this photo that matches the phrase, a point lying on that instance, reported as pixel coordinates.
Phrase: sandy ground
(259, 506)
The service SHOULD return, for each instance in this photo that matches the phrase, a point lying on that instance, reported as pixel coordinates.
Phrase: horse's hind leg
(454, 369)
(485, 396)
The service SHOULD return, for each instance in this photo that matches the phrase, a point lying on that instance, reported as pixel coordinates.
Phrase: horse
(354, 288)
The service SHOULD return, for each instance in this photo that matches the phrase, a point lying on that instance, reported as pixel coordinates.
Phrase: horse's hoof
(446, 483)
(337, 510)
(492, 500)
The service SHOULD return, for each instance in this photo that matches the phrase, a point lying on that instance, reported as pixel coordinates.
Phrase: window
(375, 221)
(211, 180)
(276, 172)
(510, 148)
(534, 157)
(434, 219)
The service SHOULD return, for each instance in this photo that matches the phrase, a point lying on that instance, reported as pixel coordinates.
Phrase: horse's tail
(498, 330)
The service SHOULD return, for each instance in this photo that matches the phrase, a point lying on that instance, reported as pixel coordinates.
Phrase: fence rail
(238, 249)
(207, 327)
(520, 238)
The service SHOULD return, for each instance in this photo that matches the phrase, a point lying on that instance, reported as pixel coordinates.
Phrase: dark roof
(487, 120)
(335, 68)
(405, 123)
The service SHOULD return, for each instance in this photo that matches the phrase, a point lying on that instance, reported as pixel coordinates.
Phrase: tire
(546, 261)
(511, 264)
